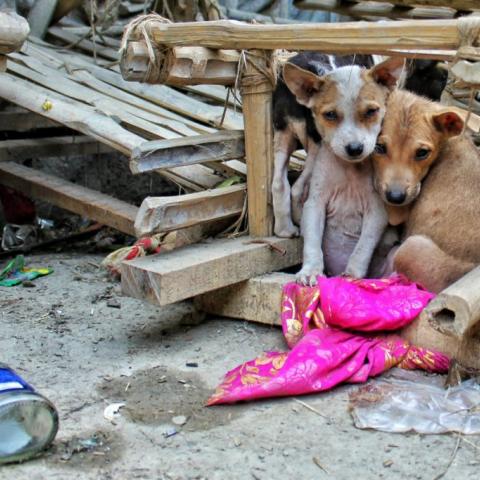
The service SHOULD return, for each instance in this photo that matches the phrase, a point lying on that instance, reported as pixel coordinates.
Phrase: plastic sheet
(404, 401)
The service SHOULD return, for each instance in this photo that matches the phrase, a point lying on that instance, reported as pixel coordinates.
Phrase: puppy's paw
(308, 274)
(355, 271)
(286, 230)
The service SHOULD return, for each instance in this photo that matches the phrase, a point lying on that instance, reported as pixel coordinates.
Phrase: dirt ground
(83, 345)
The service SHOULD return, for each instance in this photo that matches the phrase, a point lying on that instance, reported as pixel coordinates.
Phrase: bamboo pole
(257, 90)
(178, 66)
(348, 37)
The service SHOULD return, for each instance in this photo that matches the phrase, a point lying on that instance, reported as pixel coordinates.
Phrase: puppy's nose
(354, 149)
(396, 196)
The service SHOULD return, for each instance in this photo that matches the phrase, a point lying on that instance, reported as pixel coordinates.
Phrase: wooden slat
(193, 270)
(257, 300)
(50, 147)
(159, 154)
(348, 37)
(40, 16)
(72, 197)
(163, 214)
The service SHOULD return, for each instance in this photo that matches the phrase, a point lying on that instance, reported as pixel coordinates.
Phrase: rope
(256, 69)
(140, 28)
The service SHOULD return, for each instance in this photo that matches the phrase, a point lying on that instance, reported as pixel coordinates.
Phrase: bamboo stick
(348, 37)
(179, 66)
(257, 110)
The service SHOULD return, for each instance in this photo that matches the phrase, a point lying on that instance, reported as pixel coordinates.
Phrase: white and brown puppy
(343, 218)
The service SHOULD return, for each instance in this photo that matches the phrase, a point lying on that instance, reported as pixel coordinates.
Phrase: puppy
(294, 128)
(343, 218)
(428, 175)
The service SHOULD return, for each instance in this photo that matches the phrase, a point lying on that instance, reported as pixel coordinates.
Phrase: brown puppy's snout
(354, 149)
(396, 195)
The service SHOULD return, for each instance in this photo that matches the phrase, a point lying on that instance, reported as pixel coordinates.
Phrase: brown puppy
(441, 209)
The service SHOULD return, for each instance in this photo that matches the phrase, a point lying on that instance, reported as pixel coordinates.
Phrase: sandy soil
(83, 354)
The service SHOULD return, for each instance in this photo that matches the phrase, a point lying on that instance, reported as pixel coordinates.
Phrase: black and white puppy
(294, 128)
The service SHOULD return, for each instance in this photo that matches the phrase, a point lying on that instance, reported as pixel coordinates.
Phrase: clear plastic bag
(404, 401)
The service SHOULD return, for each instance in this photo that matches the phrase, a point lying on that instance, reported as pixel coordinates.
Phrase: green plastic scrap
(15, 272)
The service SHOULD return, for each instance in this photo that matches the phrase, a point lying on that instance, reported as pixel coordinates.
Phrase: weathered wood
(72, 197)
(348, 37)
(68, 112)
(461, 5)
(193, 270)
(456, 310)
(159, 154)
(257, 300)
(163, 214)
(14, 30)
(40, 16)
(258, 116)
(358, 9)
(50, 147)
(179, 65)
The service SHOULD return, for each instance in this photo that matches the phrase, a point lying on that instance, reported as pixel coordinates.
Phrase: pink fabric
(324, 356)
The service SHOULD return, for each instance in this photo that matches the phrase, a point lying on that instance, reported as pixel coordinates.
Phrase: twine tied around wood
(464, 74)
(257, 69)
(159, 58)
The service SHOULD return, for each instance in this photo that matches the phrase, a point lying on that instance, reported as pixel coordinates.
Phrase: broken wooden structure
(223, 275)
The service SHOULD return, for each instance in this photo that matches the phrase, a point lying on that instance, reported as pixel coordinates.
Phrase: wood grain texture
(14, 30)
(157, 154)
(258, 118)
(163, 214)
(348, 37)
(257, 300)
(196, 269)
(75, 198)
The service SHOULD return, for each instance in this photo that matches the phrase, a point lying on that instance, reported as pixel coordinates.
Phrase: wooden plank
(75, 198)
(40, 16)
(257, 300)
(68, 112)
(196, 269)
(258, 114)
(348, 37)
(226, 145)
(164, 214)
(50, 147)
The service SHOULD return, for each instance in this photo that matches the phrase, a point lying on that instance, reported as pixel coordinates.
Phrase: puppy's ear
(302, 83)
(388, 72)
(448, 122)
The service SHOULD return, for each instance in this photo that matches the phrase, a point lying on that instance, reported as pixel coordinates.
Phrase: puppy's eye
(331, 115)
(380, 149)
(371, 112)
(422, 154)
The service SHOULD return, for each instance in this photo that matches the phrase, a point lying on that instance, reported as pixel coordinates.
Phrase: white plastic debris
(112, 411)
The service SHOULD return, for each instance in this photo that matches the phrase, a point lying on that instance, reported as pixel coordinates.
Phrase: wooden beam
(75, 198)
(256, 300)
(40, 16)
(159, 154)
(14, 30)
(462, 5)
(163, 214)
(348, 37)
(178, 66)
(258, 117)
(196, 269)
(50, 147)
